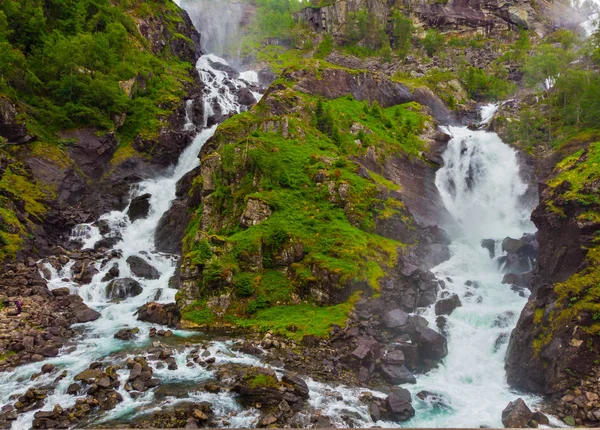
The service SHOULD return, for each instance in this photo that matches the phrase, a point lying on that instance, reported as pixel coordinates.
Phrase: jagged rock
(396, 319)
(396, 374)
(256, 212)
(123, 288)
(431, 345)
(139, 207)
(158, 313)
(394, 358)
(447, 306)
(141, 268)
(516, 414)
(399, 408)
(112, 273)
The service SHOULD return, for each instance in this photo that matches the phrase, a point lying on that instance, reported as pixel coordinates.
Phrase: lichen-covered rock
(256, 212)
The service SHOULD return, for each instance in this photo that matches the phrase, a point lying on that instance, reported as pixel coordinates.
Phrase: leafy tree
(402, 31)
(433, 42)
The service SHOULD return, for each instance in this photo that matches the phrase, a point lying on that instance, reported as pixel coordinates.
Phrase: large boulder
(397, 374)
(123, 288)
(396, 319)
(447, 306)
(245, 97)
(141, 268)
(399, 408)
(516, 415)
(431, 346)
(157, 313)
(139, 207)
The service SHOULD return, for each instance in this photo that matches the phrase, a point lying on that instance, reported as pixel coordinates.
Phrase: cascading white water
(481, 187)
(137, 239)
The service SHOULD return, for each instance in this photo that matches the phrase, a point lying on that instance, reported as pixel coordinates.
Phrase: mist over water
(217, 20)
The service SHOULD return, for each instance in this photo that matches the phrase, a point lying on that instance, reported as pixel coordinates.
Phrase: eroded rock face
(333, 83)
(567, 349)
(487, 16)
(256, 212)
(157, 313)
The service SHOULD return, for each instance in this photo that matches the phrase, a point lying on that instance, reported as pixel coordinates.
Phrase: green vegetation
(321, 233)
(6, 355)
(298, 321)
(263, 381)
(84, 63)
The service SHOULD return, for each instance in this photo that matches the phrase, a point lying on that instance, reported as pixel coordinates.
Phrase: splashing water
(481, 187)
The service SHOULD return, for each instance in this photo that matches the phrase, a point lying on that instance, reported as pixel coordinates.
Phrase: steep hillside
(90, 99)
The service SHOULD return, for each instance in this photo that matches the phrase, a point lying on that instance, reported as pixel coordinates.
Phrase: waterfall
(136, 239)
(481, 187)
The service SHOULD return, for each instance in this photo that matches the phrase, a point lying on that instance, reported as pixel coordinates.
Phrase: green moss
(299, 320)
(6, 355)
(579, 173)
(263, 381)
(198, 313)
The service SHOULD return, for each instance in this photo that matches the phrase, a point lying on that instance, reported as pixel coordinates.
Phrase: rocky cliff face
(483, 16)
(555, 345)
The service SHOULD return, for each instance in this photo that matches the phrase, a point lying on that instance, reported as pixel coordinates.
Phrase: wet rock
(245, 97)
(73, 389)
(431, 345)
(298, 385)
(395, 374)
(158, 313)
(48, 368)
(398, 408)
(139, 207)
(490, 245)
(112, 273)
(432, 398)
(89, 375)
(123, 288)
(127, 333)
(447, 306)
(141, 268)
(516, 414)
(87, 315)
